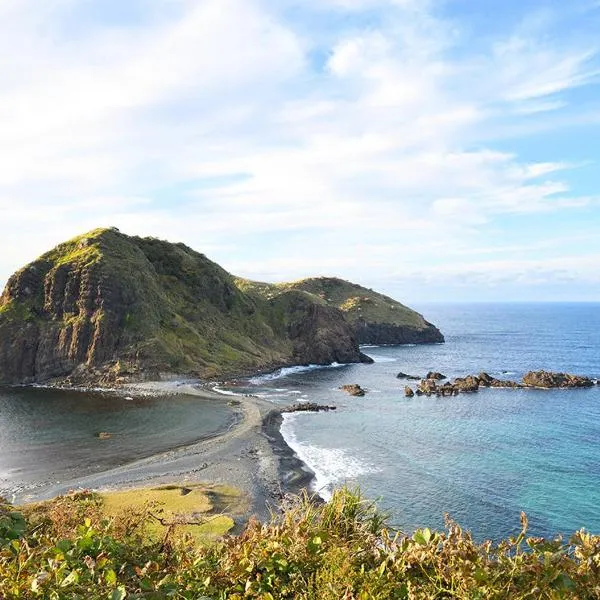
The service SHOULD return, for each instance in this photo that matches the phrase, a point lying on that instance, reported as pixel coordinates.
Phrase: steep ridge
(106, 307)
(375, 318)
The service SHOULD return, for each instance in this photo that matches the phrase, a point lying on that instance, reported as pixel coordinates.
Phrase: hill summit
(106, 308)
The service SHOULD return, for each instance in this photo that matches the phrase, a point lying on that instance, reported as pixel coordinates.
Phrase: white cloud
(211, 123)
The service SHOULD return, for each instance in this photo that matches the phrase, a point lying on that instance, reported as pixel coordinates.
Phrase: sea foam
(285, 371)
(331, 466)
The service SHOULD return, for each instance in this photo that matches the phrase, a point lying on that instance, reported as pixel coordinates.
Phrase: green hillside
(107, 307)
(375, 317)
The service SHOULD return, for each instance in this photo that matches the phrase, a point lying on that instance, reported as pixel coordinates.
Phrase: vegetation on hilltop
(376, 318)
(342, 549)
(106, 307)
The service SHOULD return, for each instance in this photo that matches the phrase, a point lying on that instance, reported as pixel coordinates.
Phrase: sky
(435, 150)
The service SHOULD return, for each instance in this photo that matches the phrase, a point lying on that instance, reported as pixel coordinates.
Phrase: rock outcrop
(409, 377)
(469, 384)
(308, 407)
(106, 308)
(435, 375)
(375, 318)
(472, 383)
(353, 389)
(547, 379)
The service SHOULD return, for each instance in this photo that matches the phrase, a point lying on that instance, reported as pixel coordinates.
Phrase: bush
(339, 550)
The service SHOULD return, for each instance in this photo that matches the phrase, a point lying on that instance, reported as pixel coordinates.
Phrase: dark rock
(308, 407)
(548, 379)
(369, 332)
(485, 380)
(353, 389)
(410, 377)
(320, 335)
(408, 392)
(366, 359)
(448, 389)
(109, 308)
(435, 375)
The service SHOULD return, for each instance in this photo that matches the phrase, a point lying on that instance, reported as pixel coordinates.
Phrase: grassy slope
(209, 506)
(354, 300)
(209, 325)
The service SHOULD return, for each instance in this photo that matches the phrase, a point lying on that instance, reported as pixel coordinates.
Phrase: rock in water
(405, 376)
(548, 379)
(467, 384)
(353, 389)
(435, 375)
(408, 391)
(308, 407)
(428, 387)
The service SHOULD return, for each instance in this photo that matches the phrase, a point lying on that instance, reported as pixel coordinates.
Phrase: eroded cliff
(106, 307)
(375, 318)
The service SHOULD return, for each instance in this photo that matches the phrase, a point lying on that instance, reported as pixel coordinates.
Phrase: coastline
(251, 455)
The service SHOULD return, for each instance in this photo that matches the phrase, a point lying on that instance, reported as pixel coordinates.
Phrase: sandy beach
(251, 456)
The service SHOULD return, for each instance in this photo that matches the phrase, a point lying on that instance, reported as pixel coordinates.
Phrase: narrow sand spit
(251, 456)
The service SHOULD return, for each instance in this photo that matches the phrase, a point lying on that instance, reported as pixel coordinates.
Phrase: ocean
(481, 458)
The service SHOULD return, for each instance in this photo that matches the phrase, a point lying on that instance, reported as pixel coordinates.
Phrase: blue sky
(435, 150)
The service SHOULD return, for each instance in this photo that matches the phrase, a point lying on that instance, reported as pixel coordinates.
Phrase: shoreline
(251, 455)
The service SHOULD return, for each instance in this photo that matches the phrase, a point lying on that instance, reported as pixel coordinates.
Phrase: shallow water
(48, 436)
(481, 458)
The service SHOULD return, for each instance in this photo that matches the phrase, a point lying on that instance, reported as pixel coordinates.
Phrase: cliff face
(107, 307)
(375, 318)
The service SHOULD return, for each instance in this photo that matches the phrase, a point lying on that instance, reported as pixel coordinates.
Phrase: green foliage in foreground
(339, 550)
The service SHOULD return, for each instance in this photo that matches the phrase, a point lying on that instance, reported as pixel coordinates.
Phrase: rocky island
(106, 308)
(472, 383)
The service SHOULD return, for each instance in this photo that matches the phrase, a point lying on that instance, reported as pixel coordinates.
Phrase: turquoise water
(481, 458)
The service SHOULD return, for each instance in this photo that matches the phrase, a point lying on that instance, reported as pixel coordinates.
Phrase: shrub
(309, 551)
